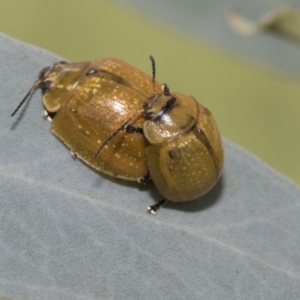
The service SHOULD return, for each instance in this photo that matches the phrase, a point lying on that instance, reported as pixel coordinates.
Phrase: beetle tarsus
(74, 155)
(152, 209)
(47, 116)
(144, 178)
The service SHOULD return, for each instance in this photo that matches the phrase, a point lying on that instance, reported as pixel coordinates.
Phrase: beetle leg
(46, 116)
(129, 128)
(144, 178)
(152, 209)
(74, 155)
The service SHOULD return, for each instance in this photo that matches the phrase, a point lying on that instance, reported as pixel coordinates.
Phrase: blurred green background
(252, 85)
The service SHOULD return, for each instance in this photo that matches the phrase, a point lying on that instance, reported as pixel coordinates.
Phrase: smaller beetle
(112, 117)
(185, 156)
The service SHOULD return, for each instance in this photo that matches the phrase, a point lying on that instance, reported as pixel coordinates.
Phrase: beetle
(124, 123)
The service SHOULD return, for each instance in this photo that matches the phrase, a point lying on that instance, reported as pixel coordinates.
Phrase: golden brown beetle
(112, 117)
(91, 100)
(185, 155)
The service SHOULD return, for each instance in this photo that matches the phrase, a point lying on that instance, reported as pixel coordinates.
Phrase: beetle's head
(168, 115)
(44, 83)
(159, 104)
(56, 82)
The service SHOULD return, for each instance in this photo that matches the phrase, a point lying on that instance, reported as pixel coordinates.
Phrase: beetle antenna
(123, 126)
(32, 89)
(111, 137)
(153, 73)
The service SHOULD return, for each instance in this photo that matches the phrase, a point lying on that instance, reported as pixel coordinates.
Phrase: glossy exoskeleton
(124, 123)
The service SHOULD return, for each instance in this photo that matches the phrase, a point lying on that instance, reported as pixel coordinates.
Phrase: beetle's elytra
(124, 123)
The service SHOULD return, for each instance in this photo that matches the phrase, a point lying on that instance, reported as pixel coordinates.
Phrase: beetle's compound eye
(165, 90)
(44, 72)
(166, 109)
(62, 62)
(149, 115)
(91, 72)
(46, 85)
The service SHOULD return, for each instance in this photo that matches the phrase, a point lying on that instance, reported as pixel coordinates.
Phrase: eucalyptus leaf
(206, 20)
(284, 22)
(69, 233)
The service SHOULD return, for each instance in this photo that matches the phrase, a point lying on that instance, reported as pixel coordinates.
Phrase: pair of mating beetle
(124, 123)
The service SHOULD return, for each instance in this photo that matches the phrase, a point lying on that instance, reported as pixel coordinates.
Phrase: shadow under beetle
(124, 123)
